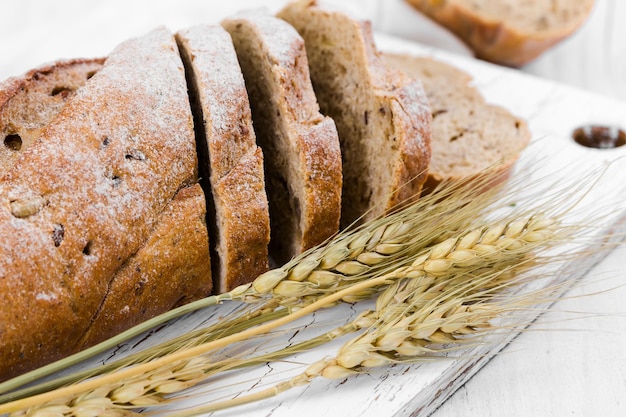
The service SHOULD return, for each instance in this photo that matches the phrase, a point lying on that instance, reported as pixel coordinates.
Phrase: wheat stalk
(354, 265)
(481, 248)
(406, 332)
(352, 256)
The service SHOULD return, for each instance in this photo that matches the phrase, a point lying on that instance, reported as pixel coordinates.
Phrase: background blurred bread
(511, 33)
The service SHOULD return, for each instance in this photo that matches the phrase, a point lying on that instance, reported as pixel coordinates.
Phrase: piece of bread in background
(511, 33)
(382, 115)
(231, 163)
(301, 146)
(86, 196)
(468, 135)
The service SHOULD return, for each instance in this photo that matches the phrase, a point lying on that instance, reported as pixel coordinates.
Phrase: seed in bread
(382, 115)
(230, 161)
(469, 135)
(301, 147)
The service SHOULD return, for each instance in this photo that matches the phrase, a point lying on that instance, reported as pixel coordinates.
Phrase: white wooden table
(570, 367)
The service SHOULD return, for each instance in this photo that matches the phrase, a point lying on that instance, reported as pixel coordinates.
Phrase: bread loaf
(469, 135)
(87, 195)
(231, 162)
(103, 201)
(301, 147)
(382, 115)
(511, 33)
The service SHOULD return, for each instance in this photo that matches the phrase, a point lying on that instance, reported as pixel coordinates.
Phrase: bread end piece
(103, 171)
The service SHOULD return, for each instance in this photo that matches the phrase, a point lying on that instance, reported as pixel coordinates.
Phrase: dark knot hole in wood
(599, 136)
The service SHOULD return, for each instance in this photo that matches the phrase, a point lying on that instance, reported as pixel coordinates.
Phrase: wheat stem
(352, 255)
(440, 260)
(194, 351)
(260, 315)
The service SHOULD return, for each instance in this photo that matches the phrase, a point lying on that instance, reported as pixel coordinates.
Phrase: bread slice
(28, 103)
(382, 115)
(232, 163)
(301, 147)
(86, 196)
(510, 32)
(469, 135)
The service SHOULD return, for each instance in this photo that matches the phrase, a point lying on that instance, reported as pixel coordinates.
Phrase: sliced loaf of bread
(510, 32)
(469, 135)
(382, 115)
(86, 196)
(231, 162)
(301, 147)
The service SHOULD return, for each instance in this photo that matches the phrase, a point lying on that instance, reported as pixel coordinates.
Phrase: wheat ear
(406, 333)
(484, 245)
(354, 254)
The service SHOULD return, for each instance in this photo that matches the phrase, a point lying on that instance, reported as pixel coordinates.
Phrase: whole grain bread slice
(382, 115)
(86, 196)
(231, 162)
(469, 135)
(510, 32)
(301, 146)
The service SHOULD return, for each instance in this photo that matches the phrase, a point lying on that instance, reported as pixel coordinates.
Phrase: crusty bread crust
(500, 39)
(82, 200)
(382, 115)
(468, 135)
(171, 268)
(301, 147)
(230, 159)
